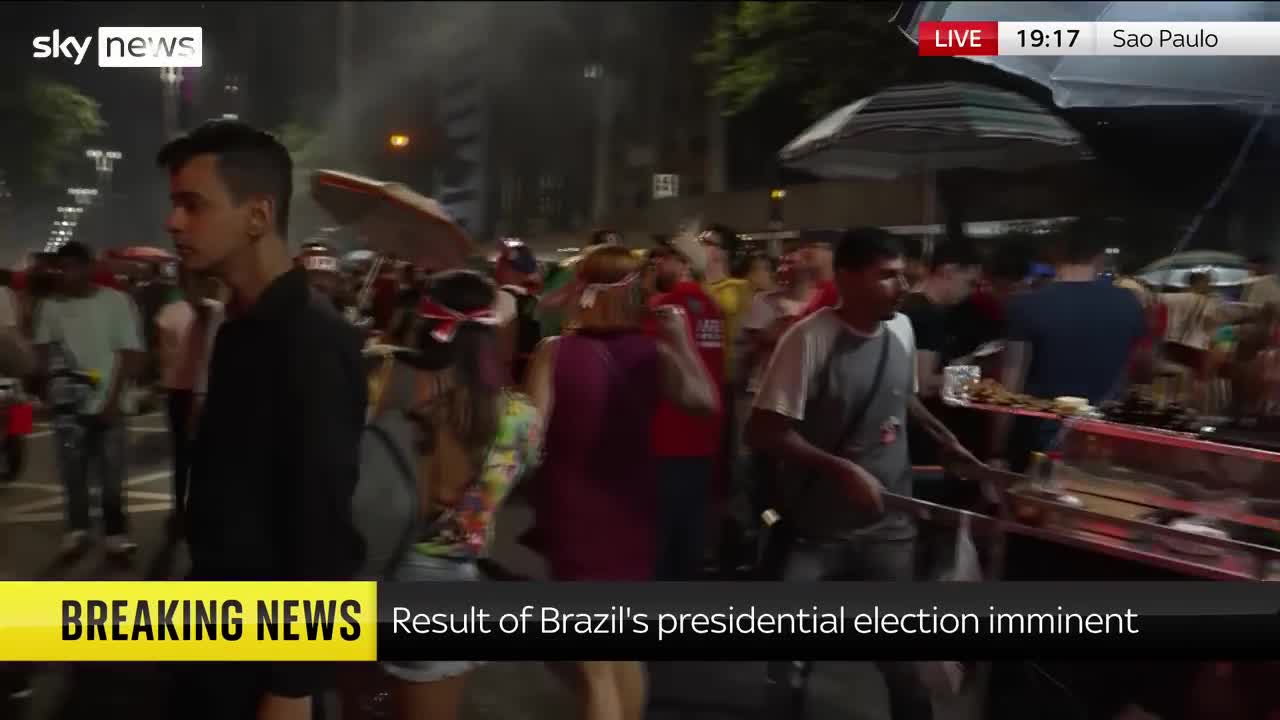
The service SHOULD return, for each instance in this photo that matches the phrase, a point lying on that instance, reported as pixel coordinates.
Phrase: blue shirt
(1081, 336)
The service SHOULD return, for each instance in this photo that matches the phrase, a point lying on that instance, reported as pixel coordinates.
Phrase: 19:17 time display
(1053, 38)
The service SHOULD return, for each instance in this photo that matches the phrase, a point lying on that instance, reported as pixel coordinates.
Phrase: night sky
(267, 44)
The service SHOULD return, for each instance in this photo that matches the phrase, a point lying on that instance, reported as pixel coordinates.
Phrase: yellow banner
(200, 621)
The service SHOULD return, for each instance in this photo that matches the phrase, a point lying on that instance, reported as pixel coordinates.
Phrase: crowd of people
(669, 413)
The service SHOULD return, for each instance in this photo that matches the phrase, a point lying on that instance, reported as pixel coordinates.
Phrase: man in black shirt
(276, 454)
(953, 275)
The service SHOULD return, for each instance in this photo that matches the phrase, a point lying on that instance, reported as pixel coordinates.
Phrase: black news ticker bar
(846, 621)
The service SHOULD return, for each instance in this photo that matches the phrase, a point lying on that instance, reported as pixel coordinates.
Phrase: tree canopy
(827, 53)
(46, 124)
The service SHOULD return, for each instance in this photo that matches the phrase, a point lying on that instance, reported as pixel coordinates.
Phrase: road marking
(30, 486)
(35, 505)
(52, 509)
(93, 513)
(56, 485)
(149, 477)
(144, 430)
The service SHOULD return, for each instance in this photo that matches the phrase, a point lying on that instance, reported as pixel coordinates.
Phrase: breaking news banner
(187, 621)
(977, 39)
(356, 621)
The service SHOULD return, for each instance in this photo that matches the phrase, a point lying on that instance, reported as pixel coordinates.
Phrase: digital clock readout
(1053, 38)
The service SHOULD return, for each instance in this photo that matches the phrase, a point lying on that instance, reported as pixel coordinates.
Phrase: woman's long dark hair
(470, 403)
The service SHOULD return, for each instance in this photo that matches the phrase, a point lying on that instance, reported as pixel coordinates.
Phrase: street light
(103, 160)
(399, 141)
(83, 196)
(172, 78)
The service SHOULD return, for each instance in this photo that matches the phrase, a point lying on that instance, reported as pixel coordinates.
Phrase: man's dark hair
(1008, 262)
(250, 162)
(1201, 276)
(1086, 239)
(77, 252)
(1260, 258)
(661, 252)
(743, 264)
(912, 247)
(861, 247)
(960, 252)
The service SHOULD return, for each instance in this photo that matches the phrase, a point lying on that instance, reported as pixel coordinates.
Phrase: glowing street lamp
(103, 160)
(399, 141)
(83, 196)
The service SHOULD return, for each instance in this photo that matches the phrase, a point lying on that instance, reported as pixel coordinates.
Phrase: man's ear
(261, 216)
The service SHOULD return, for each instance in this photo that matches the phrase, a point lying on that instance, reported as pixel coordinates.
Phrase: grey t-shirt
(93, 330)
(792, 387)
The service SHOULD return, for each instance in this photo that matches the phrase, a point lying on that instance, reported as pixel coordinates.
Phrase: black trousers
(686, 494)
(180, 403)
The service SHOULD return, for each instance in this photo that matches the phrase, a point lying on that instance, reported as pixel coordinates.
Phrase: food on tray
(1139, 407)
(1068, 405)
(991, 392)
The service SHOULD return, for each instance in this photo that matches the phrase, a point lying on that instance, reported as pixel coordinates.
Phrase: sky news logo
(128, 47)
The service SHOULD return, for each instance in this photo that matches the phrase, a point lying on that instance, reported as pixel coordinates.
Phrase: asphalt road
(31, 525)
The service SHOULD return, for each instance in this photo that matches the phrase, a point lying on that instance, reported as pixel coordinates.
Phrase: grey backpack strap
(409, 477)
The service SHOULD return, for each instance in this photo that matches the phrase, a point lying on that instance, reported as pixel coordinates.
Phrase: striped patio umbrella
(922, 129)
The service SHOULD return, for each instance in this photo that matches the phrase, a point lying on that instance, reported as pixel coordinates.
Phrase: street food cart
(1145, 484)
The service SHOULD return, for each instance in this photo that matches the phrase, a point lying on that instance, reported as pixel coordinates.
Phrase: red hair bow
(448, 319)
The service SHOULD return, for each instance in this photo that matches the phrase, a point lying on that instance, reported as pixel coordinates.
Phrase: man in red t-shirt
(687, 446)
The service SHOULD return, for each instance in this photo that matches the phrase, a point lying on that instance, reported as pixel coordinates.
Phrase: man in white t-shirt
(185, 330)
(832, 406)
(94, 331)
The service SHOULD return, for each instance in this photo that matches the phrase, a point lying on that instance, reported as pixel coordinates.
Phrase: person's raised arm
(684, 379)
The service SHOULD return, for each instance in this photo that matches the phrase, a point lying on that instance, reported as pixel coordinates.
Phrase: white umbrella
(1175, 270)
(1129, 81)
(920, 129)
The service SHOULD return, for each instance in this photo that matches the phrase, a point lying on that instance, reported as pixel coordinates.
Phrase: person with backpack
(474, 439)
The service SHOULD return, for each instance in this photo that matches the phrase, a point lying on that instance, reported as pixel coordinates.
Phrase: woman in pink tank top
(595, 495)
